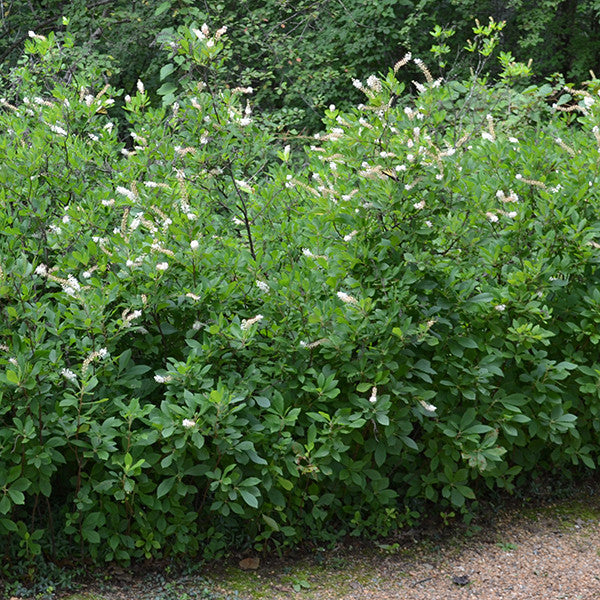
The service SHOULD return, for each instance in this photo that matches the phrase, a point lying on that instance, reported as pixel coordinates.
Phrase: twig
(421, 581)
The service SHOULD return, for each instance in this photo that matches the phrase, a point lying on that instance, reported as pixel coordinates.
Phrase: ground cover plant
(210, 339)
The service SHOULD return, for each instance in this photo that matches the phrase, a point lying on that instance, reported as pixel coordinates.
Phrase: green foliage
(300, 56)
(208, 341)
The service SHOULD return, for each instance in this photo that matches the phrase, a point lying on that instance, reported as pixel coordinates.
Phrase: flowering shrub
(206, 342)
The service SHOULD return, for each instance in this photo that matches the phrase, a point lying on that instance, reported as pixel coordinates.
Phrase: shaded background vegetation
(300, 55)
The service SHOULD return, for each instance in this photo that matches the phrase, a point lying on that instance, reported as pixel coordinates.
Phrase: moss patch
(306, 577)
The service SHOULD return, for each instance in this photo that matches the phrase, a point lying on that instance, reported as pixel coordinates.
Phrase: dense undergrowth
(212, 340)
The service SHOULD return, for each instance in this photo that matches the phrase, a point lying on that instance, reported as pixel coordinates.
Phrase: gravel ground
(542, 560)
(544, 556)
(551, 552)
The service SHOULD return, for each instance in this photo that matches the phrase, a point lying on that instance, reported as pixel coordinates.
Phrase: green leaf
(382, 418)
(311, 436)
(286, 484)
(91, 536)
(162, 8)
(166, 89)
(567, 418)
(124, 359)
(166, 70)
(249, 498)
(262, 401)
(45, 487)
(270, 522)
(165, 487)
(236, 508)
(479, 428)
(456, 497)
(481, 298)
(5, 504)
(250, 481)
(588, 461)
(12, 377)
(16, 496)
(467, 342)
(466, 491)
(410, 443)
(197, 470)
(380, 454)
(424, 366)
(21, 484)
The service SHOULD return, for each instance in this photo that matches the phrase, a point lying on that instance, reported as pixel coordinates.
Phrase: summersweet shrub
(210, 342)
(474, 236)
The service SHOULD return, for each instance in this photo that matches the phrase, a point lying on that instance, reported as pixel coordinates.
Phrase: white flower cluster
(262, 286)
(413, 114)
(373, 397)
(127, 193)
(34, 36)
(127, 317)
(346, 298)
(247, 323)
(246, 120)
(58, 130)
(154, 184)
(420, 87)
(314, 344)
(132, 264)
(135, 223)
(374, 83)
(306, 252)
(139, 139)
(102, 353)
(512, 196)
(71, 286)
(68, 374)
(244, 185)
(428, 407)
(204, 32)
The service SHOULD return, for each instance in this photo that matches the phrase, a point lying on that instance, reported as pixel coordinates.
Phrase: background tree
(300, 56)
